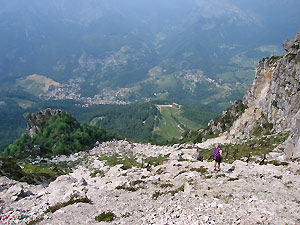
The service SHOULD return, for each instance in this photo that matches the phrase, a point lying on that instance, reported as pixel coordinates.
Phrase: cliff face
(274, 98)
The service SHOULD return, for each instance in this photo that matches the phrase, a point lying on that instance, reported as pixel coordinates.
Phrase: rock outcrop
(274, 99)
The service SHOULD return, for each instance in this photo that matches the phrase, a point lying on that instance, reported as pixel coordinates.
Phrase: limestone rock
(274, 98)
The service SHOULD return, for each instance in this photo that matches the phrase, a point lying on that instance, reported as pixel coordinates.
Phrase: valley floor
(180, 190)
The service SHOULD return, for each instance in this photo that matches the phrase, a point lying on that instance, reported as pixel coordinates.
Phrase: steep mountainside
(268, 118)
(273, 100)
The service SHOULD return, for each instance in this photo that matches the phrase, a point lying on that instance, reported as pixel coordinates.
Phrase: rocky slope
(178, 190)
(272, 102)
(275, 96)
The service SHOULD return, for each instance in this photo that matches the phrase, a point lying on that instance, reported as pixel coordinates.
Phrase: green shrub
(156, 194)
(105, 216)
(73, 199)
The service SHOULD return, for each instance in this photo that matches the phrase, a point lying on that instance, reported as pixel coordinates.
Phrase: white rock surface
(251, 194)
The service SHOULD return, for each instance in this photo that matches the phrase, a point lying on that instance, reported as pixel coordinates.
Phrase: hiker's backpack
(216, 154)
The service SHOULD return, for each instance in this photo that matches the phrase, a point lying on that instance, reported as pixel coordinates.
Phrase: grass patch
(133, 186)
(46, 171)
(73, 200)
(156, 161)
(201, 170)
(166, 185)
(156, 194)
(233, 179)
(116, 159)
(127, 188)
(278, 163)
(36, 220)
(131, 161)
(173, 123)
(220, 175)
(181, 172)
(160, 170)
(105, 216)
(181, 188)
(12, 170)
(96, 173)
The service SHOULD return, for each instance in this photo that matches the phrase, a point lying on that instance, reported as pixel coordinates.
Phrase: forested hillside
(54, 132)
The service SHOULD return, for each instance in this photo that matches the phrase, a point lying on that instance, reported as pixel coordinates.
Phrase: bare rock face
(274, 98)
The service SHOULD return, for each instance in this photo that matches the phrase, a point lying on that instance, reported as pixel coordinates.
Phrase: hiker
(218, 156)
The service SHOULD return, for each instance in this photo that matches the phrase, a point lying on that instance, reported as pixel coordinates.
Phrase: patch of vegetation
(166, 185)
(278, 163)
(134, 121)
(36, 220)
(126, 215)
(160, 170)
(220, 175)
(297, 59)
(248, 150)
(11, 169)
(263, 129)
(156, 194)
(73, 200)
(291, 56)
(97, 172)
(278, 177)
(32, 173)
(127, 188)
(226, 119)
(116, 159)
(137, 182)
(156, 161)
(233, 179)
(208, 176)
(274, 58)
(181, 188)
(133, 186)
(217, 196)
(57, 133)
(201, 169)
(223, 122)
(105, 216)
(130, 161)
(181, 172)
(44, 171)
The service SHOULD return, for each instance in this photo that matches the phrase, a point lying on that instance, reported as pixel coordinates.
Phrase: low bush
(105, 216)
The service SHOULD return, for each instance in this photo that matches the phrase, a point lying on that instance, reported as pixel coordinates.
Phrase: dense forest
(135, 121)
(55, 133)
